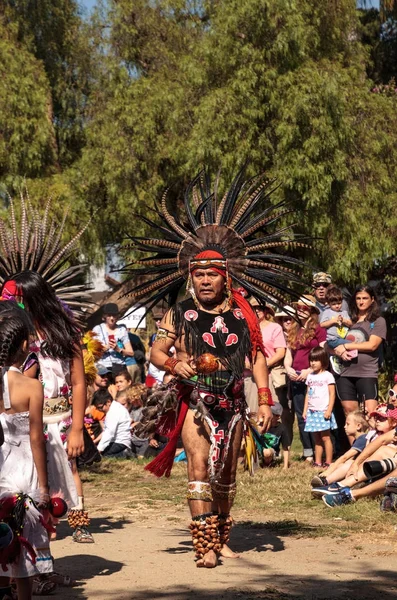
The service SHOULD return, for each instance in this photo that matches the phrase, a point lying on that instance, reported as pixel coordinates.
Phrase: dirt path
(151, 558)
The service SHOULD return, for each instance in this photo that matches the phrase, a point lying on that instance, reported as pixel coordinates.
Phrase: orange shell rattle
(206, 363)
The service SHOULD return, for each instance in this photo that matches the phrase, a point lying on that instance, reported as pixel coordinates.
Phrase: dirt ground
(149, 556)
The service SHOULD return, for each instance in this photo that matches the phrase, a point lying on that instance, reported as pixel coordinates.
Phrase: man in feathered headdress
(214, 332)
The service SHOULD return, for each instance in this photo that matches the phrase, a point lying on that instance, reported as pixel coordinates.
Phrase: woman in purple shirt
(303, 335)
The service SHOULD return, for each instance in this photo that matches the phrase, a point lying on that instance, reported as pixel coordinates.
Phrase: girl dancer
(57, 360)
(23, 469)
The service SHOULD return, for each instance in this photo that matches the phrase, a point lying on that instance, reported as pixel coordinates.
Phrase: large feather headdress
(242, 227)
(36, 245)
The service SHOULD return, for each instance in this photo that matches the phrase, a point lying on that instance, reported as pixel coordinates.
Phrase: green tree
(282, 83)
(55, 33)
(27, 137)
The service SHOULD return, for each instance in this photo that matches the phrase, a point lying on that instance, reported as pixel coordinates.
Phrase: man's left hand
(264, 418)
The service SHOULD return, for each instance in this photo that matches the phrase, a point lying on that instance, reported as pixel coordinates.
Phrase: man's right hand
(185, 370)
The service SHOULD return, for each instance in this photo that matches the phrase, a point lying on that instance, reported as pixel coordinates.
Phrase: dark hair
(124, 373)
(318, 353)
(101, 397)
(333, 294)
(61, 334)
(374, 310)
(15, 328)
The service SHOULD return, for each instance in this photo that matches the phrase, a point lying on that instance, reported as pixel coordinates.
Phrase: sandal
(82, 536)
(43, 587)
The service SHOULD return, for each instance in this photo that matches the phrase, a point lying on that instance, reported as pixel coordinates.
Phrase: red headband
(209, 259)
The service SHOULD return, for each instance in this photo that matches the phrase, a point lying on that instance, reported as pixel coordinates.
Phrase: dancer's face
(209, 286)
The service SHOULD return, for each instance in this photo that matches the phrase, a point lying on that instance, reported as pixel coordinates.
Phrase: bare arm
(261, 377)
(75, 445)
(164, 341)
(331, 391)
(127, 350)
(380, 441)
(370, 346)
(277, 358)
(305, 406)
(37, 442)
(329, 322)
(286, 459)
(288, 365)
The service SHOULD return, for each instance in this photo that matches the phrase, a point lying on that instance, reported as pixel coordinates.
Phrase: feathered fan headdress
(38, 246)
(239, 228)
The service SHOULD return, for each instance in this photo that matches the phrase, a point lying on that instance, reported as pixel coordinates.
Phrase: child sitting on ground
(115, 441)
(357, 426)
(382, 448)
(272, 455)
(319, 404)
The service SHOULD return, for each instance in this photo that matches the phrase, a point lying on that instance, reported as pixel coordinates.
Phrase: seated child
(357, 426)
(115, 441)
(336, 321)
(272, 455)
(380, 449)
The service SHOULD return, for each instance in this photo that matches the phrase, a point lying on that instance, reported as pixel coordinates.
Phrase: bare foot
(227, 552)
(209, 560)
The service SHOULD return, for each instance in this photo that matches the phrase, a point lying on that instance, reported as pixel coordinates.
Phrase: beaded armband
(265, 397)
(170, 364)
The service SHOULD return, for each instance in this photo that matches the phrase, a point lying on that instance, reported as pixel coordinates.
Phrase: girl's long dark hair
(51, 320)
(15, 328)
(374, 310)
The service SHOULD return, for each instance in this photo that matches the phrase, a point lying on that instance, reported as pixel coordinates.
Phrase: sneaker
(321, 490)
(317, 465)
(318, 480)
(352, 354)
(343, 497)
(336, 364)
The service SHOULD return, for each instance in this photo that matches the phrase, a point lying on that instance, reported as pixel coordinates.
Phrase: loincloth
(220, 404)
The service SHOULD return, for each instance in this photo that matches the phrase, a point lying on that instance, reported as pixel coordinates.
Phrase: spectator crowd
(323, 354)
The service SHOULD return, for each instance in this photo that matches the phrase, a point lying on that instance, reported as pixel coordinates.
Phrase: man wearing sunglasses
(321, 281)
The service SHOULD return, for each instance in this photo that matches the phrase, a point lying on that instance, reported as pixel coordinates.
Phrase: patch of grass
(279, 500)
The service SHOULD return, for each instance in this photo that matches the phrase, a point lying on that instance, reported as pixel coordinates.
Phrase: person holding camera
(114, 339)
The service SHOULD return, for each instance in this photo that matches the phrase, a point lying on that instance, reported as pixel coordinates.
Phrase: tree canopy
(143, 95)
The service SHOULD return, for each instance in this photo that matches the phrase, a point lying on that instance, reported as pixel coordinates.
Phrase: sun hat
(255, 303)
(286, 311)
(309, 301)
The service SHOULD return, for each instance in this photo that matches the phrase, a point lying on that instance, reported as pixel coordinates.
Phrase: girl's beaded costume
(231, 237)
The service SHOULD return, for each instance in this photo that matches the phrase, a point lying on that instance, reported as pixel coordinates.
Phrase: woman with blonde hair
(304, 334)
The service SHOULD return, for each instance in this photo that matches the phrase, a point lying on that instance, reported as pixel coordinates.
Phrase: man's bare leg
(196, 442)
(224, 494)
